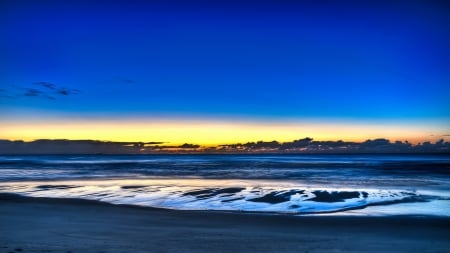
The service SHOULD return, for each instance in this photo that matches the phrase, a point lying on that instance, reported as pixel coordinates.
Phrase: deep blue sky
(361, 60)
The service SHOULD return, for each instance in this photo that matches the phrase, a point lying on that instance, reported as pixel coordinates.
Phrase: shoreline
(243, 196)
(6, 196)
(75, 225)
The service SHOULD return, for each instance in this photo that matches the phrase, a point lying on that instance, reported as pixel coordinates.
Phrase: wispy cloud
(67, 92)
(46, 85)
(30, 92)
(45, 90)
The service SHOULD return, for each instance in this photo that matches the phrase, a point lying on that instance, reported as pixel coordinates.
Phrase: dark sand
(64, 225)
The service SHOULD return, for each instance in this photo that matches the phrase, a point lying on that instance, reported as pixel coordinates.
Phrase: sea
(304, 184)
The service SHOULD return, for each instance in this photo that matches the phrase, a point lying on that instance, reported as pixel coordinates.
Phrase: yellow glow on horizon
(208, 133)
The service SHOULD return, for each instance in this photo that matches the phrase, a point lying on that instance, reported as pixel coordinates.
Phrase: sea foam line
(225, 195)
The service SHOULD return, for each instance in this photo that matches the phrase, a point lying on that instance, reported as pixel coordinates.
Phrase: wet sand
(67, 225)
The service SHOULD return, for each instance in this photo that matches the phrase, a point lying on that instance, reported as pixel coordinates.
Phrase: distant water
(296, 184)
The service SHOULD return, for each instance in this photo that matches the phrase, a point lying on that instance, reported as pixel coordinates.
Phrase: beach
(74, 225)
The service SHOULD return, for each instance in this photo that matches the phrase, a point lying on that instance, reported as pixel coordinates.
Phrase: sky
(213, 72)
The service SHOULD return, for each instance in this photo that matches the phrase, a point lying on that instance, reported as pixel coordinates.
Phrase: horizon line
(312, 139)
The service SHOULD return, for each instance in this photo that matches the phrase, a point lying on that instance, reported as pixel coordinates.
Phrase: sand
(67, 225)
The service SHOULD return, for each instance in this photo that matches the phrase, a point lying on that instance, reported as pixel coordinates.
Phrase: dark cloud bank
(306, 145)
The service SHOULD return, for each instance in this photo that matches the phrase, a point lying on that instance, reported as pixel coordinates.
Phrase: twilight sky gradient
(224, 71)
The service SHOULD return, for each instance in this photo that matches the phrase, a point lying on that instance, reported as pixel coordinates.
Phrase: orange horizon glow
(215, 132)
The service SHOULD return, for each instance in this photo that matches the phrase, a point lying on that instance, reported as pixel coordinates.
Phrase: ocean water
(282, 184)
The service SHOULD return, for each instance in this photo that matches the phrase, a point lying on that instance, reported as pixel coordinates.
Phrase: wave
(223, 195)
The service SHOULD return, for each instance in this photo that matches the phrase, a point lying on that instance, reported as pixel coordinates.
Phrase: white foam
(177, 194)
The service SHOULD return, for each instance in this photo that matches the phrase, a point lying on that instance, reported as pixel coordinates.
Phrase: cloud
(30, 92)
(189, 145)
(46, 85)
(62, 146)
(45, 90)
(50, 90)
(67, 92)
(308, 145)
(57, 89)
